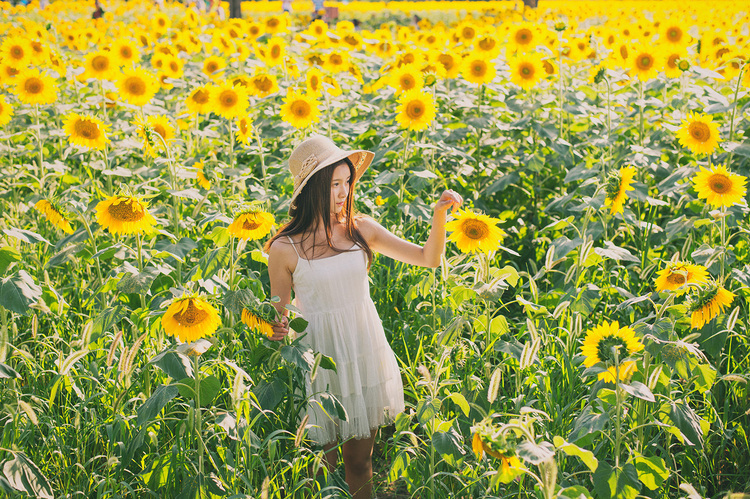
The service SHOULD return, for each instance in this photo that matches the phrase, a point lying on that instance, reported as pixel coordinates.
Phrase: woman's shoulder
(281, 249)
(368, 226)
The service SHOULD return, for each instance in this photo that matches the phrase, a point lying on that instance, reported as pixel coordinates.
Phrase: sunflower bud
(683, 65)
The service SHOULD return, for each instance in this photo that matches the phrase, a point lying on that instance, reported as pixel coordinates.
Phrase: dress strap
(293, 246)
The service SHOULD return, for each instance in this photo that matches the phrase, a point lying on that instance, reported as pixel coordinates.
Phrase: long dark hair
(313, 203)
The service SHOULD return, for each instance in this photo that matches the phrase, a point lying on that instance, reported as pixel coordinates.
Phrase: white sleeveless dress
(333, 295)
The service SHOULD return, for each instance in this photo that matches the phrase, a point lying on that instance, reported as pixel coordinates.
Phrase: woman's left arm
(381, 240)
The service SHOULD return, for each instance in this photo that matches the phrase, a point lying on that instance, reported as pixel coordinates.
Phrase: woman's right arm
(281, 262)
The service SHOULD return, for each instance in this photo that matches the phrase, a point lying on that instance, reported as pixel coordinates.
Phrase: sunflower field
(586, 335)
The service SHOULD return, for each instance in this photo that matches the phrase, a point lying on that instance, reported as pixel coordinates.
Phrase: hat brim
(361, 160)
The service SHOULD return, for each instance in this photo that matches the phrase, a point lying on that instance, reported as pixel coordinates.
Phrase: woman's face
(340, 183)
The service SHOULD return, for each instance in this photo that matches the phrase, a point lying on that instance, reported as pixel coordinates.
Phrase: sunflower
(228, 101)
(274, 51)
(299, 110)
(149, 128)
(406, 78)
(201, 178)
(54, 215)
(487, 46)
(673, 34)
(16, 51)
(190, 318)
(699, 133)
(451, 64)
(213, 65)
(618, 183)
(244, 130)
(474, 232)
(124, 215)
(524, 37)
(645, 64)
(40, 52)
(599, 347)
(336, 62)
(331, 86)
(6, 111)
(99, 65)
(679, 274)
(198, 101)
(672, 62)
(263, 85)
(34, 87)
(252, 224)
(125, 52)
(137, 86)
(708, 305)
(719, 187)
(314, 81)
(257, 323)
(416, 110)
(7, 73)
(86, 131)
(478, 70)
(173, 67)
(526, 71)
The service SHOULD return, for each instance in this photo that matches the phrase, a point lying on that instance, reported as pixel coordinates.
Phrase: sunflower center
(263, 83)
(158, 128)
(228, 98)
(135, 85)
(174, 66)
(487, 43)
(211, 67)
(674, 34)
(100, 63)
(719, 183)
(33, 85)
(11, 71)
(16, 52)
(672, 60)
(468, 32)
(624, 52)
(243, 126)
(605, 350)
(275, 51)
(699, 131)
(446, 60)
(475, 229)
(415, 109)
(200, 96)
(272, 23)
(526, 71)
(300, 108)
(126, 52)
(479, 68)
(676, 279)
(548, 67)
(37, 47)
(129, 210)
(191, 316)
(722, 52)
(408, 58)
(248, 225)
(645, 62)
(523, 36)
(314, 82)
(87, 129)
(335, 59)
(408, 82)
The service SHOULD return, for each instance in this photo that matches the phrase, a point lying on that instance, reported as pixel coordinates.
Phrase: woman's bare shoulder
(282, 251)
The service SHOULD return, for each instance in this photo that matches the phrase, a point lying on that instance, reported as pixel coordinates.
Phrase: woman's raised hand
(449, 199)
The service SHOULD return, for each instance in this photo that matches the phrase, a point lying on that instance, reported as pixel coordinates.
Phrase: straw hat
(317, 152)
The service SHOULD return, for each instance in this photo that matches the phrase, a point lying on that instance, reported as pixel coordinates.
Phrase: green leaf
(615, 253)
(18, 292)
(295, 354)
(616, 483)
(332, 406)
(8, 372)
(209, 386)
(574, 492)
(704, 377)
(156, 402)
(138, 283)
(269, 394)
(638, 390)
(448, 443)
(106, 319)
(573, 450)
(685, 419)
(210, 263)
(235, 301)
(26, 236)
(298, 324)
(460, 401)
(8, 255)
(587, 423)
(399, 466)
(427, 409)
(178, 250)
(535, 453)
(651, 471)
(24, 476)
(175, 365)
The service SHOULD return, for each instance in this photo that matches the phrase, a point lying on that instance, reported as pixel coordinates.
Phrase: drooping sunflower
(100, 65)
(645, 63)
(244, 130)
(190, 318)
(600, 344)
(35, 87)
(679, 274)
(487, 440)
(699, 133)
(229, 101)
(124, 215)
(201, 178)
(299, 110)
(256, 323)
(150, 127)
(137, 86)
(6, 111)
(54, 215)
(252, 224)
(618, 183)
(708, 305)
(213, 66)
(263, 85)
(86, 131)
(478, 70)
(416, 110)
(719, 187)
(474, 232)
(405, 78)
(526, 70)
(198, 102)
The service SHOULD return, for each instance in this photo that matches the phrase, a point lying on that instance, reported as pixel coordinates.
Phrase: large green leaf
(535, 453)
(176, 365)
(685, 419)
(156, 402)
(26, 236)
(18, 292)
(210, 263)
(209, 386)
(448, 443)
(24, 476)
(651, 471)
(138, 283)
(8, 255)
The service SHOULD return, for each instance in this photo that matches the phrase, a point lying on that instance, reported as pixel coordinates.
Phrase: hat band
(307, 166)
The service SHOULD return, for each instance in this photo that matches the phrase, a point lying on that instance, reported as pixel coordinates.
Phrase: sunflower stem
(231, 147)
(198, 422)
(723, 242)
(734, 110)
(104, 102)
(139, 245)
(618, 411)
(560, 83)
(664, 306)
(640, 112)
(406, 149)
(262, 157)
(609, 126)
(96, 250)
(39, 146)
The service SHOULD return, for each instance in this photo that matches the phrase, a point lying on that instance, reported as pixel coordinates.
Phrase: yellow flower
(173, 67)
(450, 64)
(149, 128)
(673, 34)
(213, 65)
(405, 78)
(672, 62)
(600, 344)
(6, 111)
(478, 70)
(189, 319)
(524, 37)
(7, 73)
(256, 323)
(54, 215)
(416, 110)
(16, 51)
(100, 65)
(314, 81)
(201, 178)
(487, 46)
(125, 52)
(679, 274)
(244, 130)
(336, 62)
(474, 232)
(263, 85)
(252, 225)
(708, 305)
(699, 133)
(274, 52)
(229, 101)
(138, 86)
(124, 215)
(86, 131)
(198, 101)
(34, 87)
(618, 183)
(645, 64)
(526, 71)
(299, 110)
(719, 187)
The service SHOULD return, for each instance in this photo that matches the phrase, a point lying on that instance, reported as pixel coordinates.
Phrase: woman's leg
(358, 465)
(331, 456)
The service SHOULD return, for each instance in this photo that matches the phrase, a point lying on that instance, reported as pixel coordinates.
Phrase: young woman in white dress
(323, 253)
